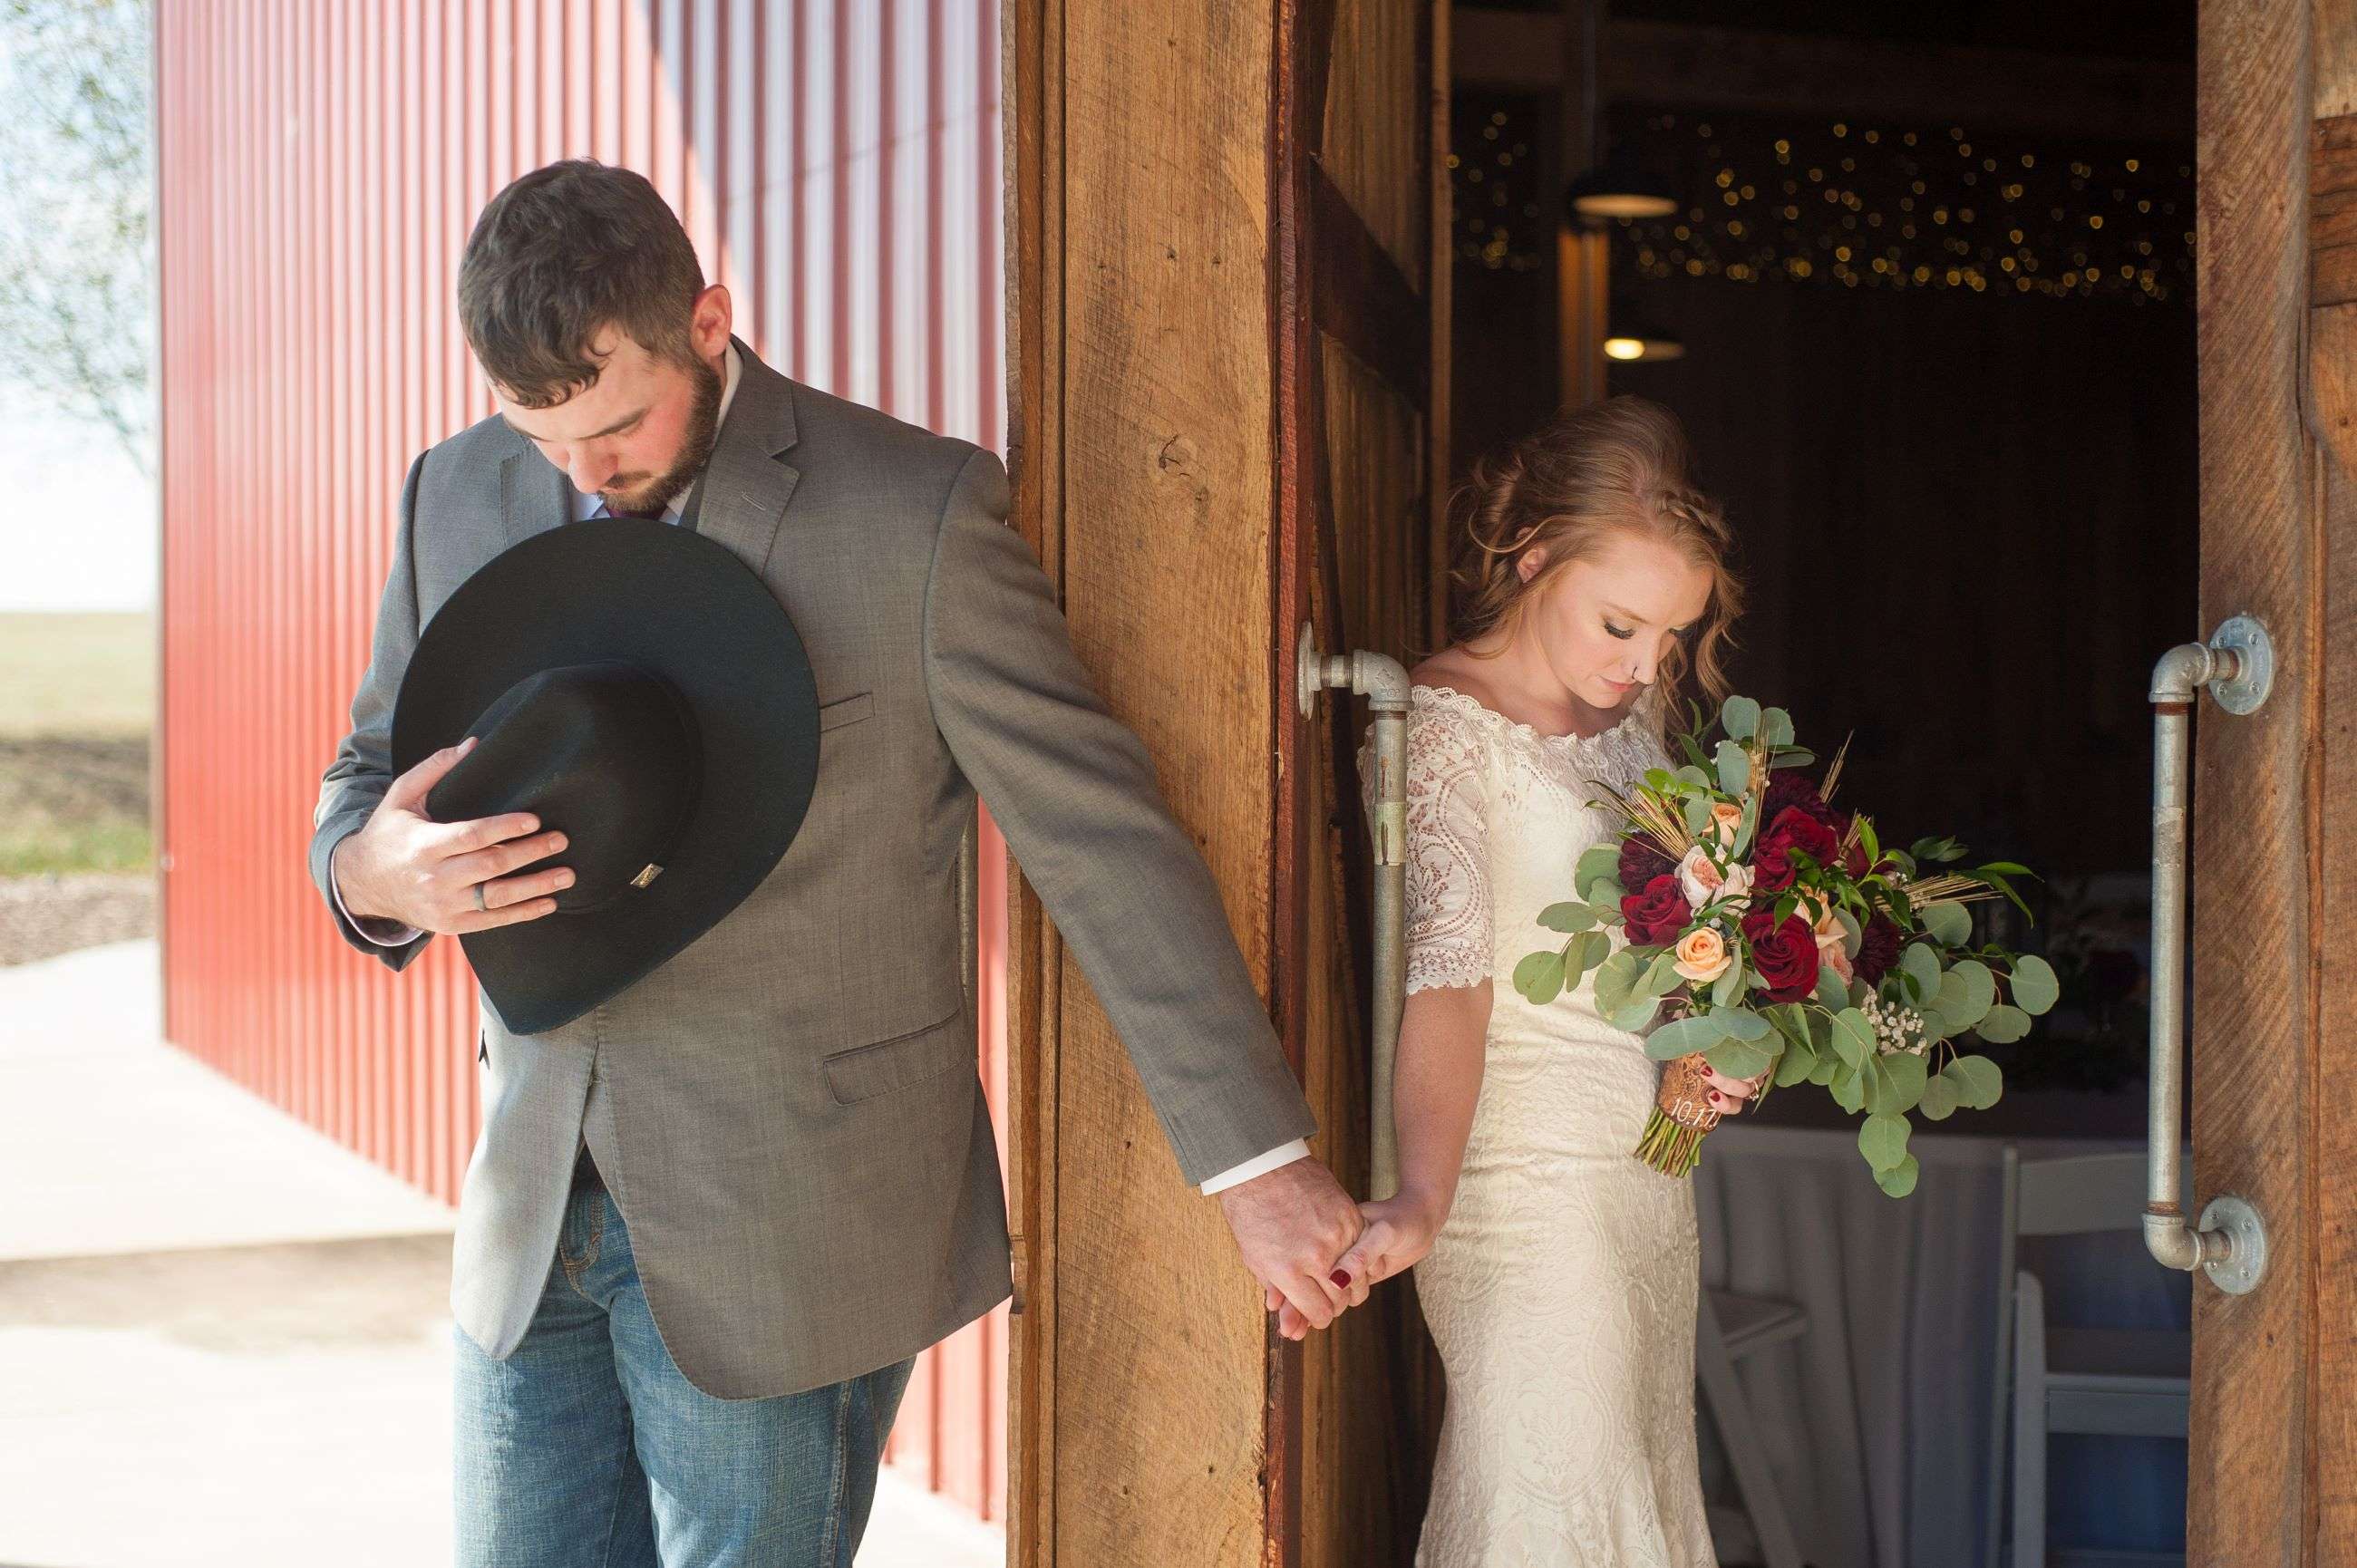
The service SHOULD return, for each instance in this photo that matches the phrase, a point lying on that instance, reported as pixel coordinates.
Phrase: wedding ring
(486, 908)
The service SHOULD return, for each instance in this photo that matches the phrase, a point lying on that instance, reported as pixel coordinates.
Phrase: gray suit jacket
(788, 1111)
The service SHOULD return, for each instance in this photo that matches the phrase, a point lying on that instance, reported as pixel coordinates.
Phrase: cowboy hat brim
(670, 601)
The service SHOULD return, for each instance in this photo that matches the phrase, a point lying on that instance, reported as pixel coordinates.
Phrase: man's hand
(403, 866)
(1291, 1224)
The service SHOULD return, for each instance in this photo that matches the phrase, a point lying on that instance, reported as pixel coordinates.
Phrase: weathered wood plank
(2255, 806)
(2333, 211)
(1161, 411)
(2331, 1149)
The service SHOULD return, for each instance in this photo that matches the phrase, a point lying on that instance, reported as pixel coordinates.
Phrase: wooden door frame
(2274, 1441)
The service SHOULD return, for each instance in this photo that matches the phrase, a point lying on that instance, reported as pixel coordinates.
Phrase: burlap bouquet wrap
(1682, 1116)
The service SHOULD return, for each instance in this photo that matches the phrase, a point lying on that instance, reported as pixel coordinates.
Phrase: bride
(1558, 1274)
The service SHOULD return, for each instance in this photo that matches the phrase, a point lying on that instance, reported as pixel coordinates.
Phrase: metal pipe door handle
(1384, 682)
(2230, 1244)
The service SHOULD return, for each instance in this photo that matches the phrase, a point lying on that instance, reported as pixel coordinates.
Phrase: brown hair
(562, 253)
(1623, 464)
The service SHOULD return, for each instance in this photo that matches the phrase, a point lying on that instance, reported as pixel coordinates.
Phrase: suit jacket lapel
(535, 495)
(738, 499)
(741, 496)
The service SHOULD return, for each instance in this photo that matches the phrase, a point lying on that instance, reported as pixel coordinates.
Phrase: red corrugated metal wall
(319, 165)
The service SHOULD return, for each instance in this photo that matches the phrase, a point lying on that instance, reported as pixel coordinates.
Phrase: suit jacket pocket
(845, 711)
(865, 1072)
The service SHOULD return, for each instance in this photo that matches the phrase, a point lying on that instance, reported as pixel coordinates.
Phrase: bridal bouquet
(1771, 932)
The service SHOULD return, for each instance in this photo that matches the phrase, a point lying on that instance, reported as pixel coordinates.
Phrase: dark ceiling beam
(1867, 79)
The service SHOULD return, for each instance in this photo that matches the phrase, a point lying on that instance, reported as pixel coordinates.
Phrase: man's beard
(694, 447)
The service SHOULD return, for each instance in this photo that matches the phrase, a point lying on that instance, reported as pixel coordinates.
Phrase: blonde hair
(1618, 465)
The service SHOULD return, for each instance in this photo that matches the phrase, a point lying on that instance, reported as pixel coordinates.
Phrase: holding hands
(1291, 1224)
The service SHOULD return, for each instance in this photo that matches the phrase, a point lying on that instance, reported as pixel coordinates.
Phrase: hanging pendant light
(1617, 188)
(1642, 344)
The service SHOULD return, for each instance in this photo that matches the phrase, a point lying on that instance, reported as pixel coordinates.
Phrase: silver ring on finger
(480, 905)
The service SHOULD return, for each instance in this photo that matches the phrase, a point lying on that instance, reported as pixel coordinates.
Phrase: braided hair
(1623, 464)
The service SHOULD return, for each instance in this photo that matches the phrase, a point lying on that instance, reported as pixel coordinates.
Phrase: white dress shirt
(590, 504)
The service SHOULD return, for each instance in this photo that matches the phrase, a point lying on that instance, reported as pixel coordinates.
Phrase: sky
(80, 533)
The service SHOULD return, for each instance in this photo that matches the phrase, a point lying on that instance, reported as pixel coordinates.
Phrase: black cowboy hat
(637, 688)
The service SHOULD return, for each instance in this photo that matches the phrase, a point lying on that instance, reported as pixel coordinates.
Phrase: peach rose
(1703, 883)
(1725, 822)
(1831, 942)
(1701, 955)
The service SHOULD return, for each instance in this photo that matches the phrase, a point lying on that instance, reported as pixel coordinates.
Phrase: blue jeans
(587, 1449)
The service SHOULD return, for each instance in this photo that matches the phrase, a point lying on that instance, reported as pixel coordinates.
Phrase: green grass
(76, 675)
(77, 703)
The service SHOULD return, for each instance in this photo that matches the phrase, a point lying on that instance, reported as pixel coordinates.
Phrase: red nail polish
(1341, 1278)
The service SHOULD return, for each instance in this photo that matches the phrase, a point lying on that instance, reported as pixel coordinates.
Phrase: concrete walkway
(224, 1340)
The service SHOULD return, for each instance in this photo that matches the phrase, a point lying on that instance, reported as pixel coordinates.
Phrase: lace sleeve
(1449, 926)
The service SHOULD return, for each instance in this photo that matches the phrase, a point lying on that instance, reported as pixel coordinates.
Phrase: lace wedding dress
(1561, 1291)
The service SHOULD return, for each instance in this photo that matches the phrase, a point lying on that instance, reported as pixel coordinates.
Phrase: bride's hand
(1399, 1234)
(1727, 1094)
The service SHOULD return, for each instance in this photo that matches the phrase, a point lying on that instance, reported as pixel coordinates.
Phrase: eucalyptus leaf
(1900, 1179)
(1696, 812)
(1950, 924)
(1939, 1101)
(1980, 991)
(1728, 986)
(1680, 1036)
(1826, 1066)
(1741, 716)
(2001, 1025)
(1616, 977)
(1660, 976)
(1566, 917)
(1977, 1079)
(1582, 953)
(2035, 988)
(1539, 977)
(1791, 757)
(1904, 1075)
(1848, 1088)
(1635, 1015)
(1739, 1058)
(1776, 726)
(1853, 1038)
(1882, 1139)
(1741, 1024)
(1853, 934)
(1693, 774)
(1795, 1064)
(1920, 963)
(1955, 1001)
(1734, 769)
(1831, 996)
(1600, 863)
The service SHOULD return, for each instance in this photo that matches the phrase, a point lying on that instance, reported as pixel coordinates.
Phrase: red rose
(1795, 827)
(1877, 948)
(1791, 787)
(1640, 861)
(1655, 917)
(1785, 954)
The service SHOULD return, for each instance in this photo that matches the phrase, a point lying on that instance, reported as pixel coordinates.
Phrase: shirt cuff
(369, 928)
(1284, 1155)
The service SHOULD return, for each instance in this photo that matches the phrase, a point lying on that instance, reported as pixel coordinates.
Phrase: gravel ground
(42, 916)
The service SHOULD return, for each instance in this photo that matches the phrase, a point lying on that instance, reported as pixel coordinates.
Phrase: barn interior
(1920, 282)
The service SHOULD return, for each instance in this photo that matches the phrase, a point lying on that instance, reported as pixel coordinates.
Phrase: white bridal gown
(1561, 1291)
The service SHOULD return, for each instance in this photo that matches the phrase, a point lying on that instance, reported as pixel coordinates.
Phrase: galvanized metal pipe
(2183, 671)
(1384, 683)
(2230, 1244)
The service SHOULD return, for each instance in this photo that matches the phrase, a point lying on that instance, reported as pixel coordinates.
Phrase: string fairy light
(1838, 204)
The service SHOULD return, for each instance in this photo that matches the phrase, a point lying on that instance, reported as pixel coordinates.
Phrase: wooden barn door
(2273, 1460)
(1361, 311)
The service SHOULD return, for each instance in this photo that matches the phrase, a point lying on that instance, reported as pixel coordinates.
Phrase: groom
(710, 1222)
